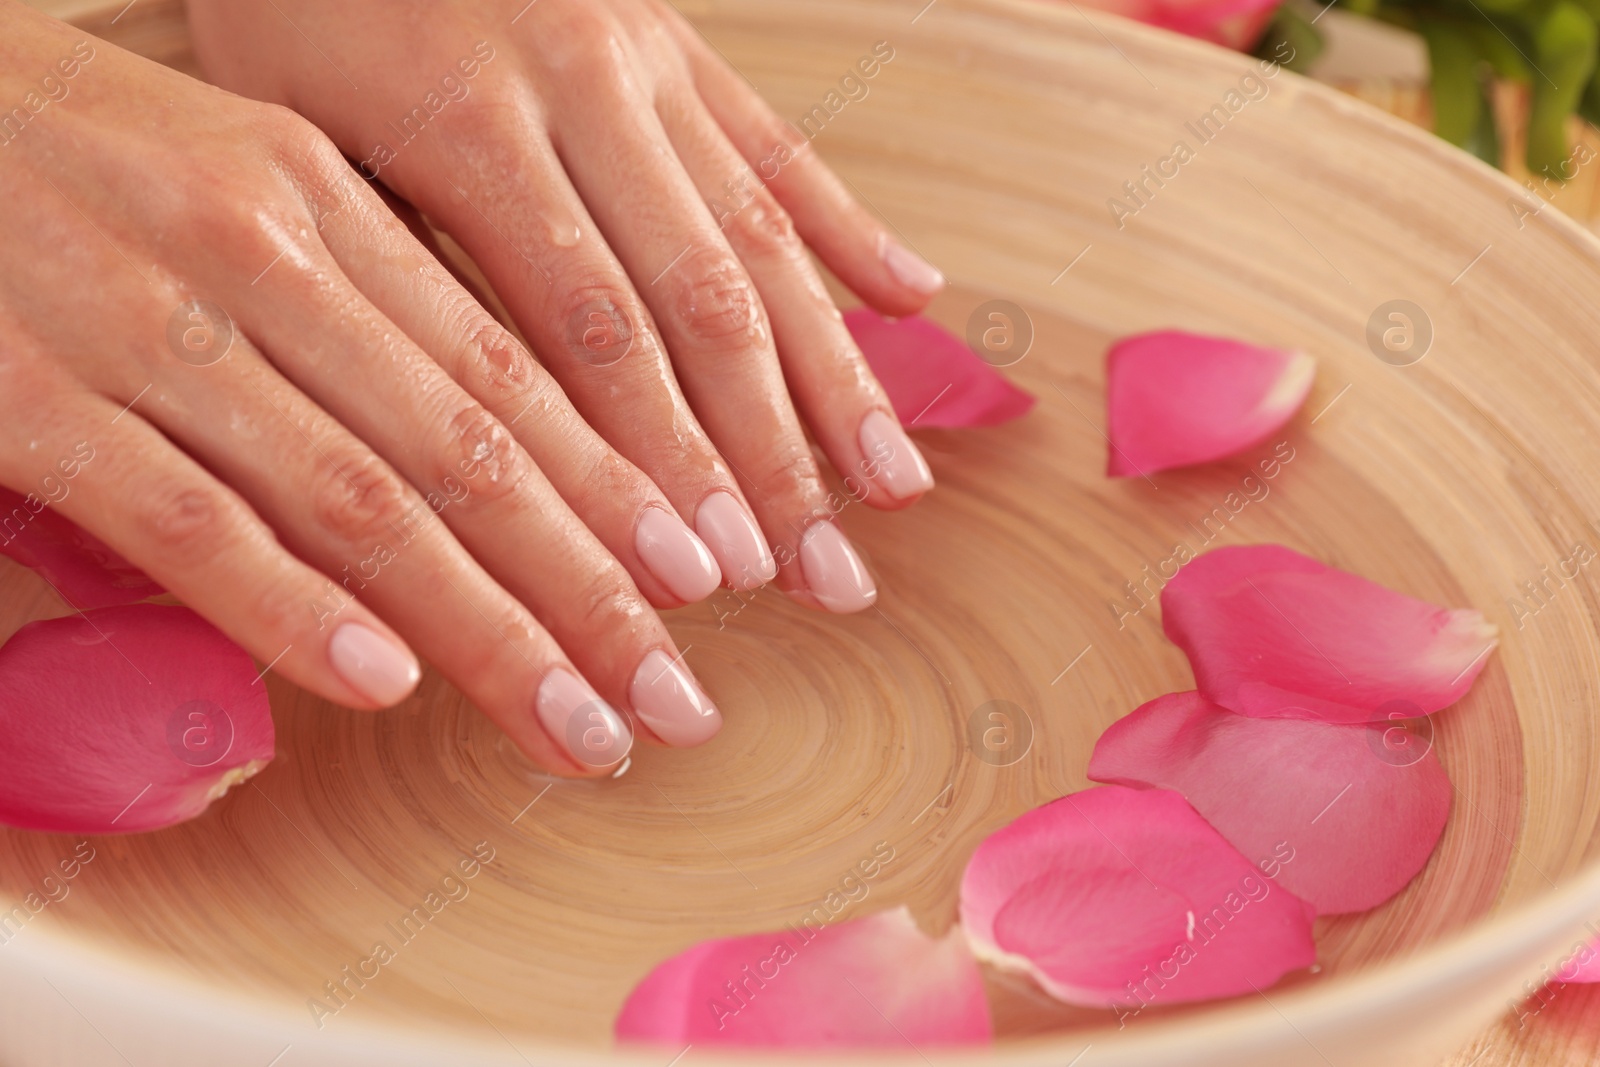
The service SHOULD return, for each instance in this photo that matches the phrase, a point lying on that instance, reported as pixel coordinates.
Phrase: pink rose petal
(81, 566)
(124, 719)
(877, 981)
(1232, 23)
(1176, 399)
(1117, 897)
(933, 379)
(1275, 634)
(1342, 816)
(1583, 965)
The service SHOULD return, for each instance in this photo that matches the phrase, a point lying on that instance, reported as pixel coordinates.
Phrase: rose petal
(1176, 399)
(124, 719)
(1275, 634)
(933, 379)
(1342, 816)
(1117, 897)
(1232, 23)
(83, 568)
(876, 981)
(1583, 965)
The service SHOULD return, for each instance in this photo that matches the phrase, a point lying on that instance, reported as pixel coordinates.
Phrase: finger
(178, 523)
(339, 506)
(846, 408)
(524, 224)
(632, 518)
(493, 501)
(714, 326)
(854, 244)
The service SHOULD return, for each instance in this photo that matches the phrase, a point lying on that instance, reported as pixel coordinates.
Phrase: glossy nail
(834, 573)
(735, 540)
(579, 722)
(912, 270)
(372, 664)
(669, 701)
(901, 470)
(676, 556)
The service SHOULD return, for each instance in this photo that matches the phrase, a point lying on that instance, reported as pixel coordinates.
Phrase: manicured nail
(589, 729)
(912, 270)
(902, 472)
(372, 664)
(676, 556)
(833, 572)
(735, 539)
(666, 696)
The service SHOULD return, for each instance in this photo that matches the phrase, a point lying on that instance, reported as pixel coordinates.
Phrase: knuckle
(482, 454)
(789, 474)
(719, 307)
(293, 140)
(599, 322)
(500, 368)
(607, 605)
(358, 500)
(285, 610)
(186, 522)
(763, 230)
(594, 39)
(610, 481)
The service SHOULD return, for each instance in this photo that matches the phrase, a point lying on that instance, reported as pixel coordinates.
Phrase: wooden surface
(993, 142)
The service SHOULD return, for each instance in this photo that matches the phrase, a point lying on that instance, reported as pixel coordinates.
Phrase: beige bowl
(994, 140)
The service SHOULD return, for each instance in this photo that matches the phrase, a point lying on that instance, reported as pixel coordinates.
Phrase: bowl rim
(154, 988)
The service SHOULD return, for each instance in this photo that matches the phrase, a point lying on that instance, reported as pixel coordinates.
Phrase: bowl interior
(998, 141)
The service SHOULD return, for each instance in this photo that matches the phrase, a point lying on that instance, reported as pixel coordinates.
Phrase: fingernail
(666, 696)
(372, 664)
(676, 556)
(902, 472)
(833, 572)
(912, 270)
(735, 540)
(589, 729)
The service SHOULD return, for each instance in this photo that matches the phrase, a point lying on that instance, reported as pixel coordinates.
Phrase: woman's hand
(636, 207)
(281, 407)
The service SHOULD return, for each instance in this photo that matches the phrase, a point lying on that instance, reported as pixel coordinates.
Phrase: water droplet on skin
(564, 232)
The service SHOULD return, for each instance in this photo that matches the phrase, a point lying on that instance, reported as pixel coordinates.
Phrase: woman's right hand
(299, 423)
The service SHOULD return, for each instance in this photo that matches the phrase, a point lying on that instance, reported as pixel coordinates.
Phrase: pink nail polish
(676, 556)
(665, 695)
(578, 721)
(735, 540)
(373, 664)
(910, 269)
(833, 572)
(902, 472)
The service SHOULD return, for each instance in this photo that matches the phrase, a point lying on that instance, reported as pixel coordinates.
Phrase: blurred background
(1511, 81)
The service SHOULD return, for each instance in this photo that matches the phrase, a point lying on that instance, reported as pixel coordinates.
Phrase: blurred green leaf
(1455, 86)
(1564, 54)
(1501, 7)
(1499, 51)
(1485, 140)
(1289, 27)
(1589, 105)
